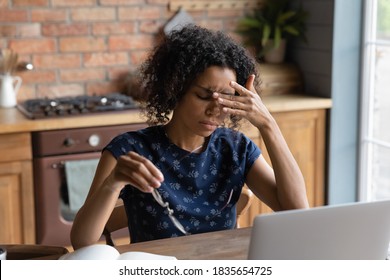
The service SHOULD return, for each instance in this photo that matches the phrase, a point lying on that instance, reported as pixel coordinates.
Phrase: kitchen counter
(13, 121)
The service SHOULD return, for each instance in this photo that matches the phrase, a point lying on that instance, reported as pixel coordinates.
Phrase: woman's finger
(232, 105)
(133, 178)
(128, 171)
(139, 172)
(155, 172)
(242, 91)
(249, 85)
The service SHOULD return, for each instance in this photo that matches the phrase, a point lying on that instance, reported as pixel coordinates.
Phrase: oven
(64, 160)
(55, 153)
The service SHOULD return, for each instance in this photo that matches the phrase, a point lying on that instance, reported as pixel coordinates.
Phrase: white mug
(3, 253)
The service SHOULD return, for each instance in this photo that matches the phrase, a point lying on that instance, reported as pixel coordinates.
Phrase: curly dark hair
(175, 63)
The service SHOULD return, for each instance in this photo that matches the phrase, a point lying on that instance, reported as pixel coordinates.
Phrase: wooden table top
(218, 245)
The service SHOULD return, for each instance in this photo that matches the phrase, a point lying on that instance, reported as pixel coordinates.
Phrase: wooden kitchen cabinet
(16, 189)
(304, 131)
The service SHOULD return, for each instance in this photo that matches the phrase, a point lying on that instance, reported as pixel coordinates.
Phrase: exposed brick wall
(84, 46)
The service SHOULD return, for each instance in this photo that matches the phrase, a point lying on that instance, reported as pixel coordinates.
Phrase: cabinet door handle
(59, 165)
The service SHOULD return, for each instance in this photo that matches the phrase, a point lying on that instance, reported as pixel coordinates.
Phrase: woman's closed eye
(205, 95)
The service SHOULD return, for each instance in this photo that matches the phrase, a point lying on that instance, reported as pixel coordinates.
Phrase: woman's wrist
(267, 125)
(112, 185)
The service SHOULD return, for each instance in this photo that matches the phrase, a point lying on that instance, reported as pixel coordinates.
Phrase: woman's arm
(282, 186)
(90, 220)
(110, 177)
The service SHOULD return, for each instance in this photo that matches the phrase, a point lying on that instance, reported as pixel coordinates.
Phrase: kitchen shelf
(176, 5)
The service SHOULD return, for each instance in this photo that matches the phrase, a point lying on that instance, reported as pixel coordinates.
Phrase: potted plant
(267, 29)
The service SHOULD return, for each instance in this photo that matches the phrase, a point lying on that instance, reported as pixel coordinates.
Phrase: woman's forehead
(216, 78)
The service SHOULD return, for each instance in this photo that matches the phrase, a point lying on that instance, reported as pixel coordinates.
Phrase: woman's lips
(209, 125)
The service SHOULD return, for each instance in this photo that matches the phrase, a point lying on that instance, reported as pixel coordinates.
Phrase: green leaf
(248, 23)
(283, 17)
(266, 34)
(292, 30)
(278, 37)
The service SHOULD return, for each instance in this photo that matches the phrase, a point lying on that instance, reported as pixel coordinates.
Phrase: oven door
(53, 214)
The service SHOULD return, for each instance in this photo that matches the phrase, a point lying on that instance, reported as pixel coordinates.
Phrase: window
(374, 181)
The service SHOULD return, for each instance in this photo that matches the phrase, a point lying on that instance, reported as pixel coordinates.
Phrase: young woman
(191, 159)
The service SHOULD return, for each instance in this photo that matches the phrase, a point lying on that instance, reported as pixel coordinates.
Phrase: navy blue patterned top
(197, 186)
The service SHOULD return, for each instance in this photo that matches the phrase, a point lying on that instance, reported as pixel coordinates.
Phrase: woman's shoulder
(127, 140)
(146, 132)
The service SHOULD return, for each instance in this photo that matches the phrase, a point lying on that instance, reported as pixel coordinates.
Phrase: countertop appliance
(76, 105)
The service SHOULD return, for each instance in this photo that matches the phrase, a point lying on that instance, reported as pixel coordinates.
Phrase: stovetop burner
(75, 105)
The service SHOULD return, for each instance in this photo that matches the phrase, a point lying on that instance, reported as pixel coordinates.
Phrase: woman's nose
(214, 108)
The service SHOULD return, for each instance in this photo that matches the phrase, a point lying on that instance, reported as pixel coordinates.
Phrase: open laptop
(351, 231)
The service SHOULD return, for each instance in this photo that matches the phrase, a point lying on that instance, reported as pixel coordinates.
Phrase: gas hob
(76, 105)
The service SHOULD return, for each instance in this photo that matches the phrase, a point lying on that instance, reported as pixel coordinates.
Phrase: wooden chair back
(118, 218)
(243, 203)
(117, 221)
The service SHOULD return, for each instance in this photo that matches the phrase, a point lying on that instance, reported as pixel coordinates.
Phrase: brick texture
(86, 46)
(3, 3)
(48, 15)
(30, 3)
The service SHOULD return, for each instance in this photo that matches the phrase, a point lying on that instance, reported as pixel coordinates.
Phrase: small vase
(275, 55)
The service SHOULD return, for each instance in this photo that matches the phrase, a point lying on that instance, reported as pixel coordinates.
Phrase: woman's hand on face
(138, 171)
(246, 104)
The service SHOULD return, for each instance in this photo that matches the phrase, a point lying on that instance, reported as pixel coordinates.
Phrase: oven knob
(94, 140)
(68, 142)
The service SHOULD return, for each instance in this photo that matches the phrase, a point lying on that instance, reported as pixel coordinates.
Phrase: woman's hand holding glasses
(138, 171)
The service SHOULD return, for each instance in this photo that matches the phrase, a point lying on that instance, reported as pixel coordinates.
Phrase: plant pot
(275, 55)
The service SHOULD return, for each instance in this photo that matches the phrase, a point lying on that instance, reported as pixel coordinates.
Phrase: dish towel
(79, 176)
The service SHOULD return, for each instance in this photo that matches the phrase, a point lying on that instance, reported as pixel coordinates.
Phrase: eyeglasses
(164, 204)
(174, 220)
(226, 204)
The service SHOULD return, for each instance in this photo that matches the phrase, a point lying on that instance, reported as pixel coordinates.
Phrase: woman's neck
(192, 143)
